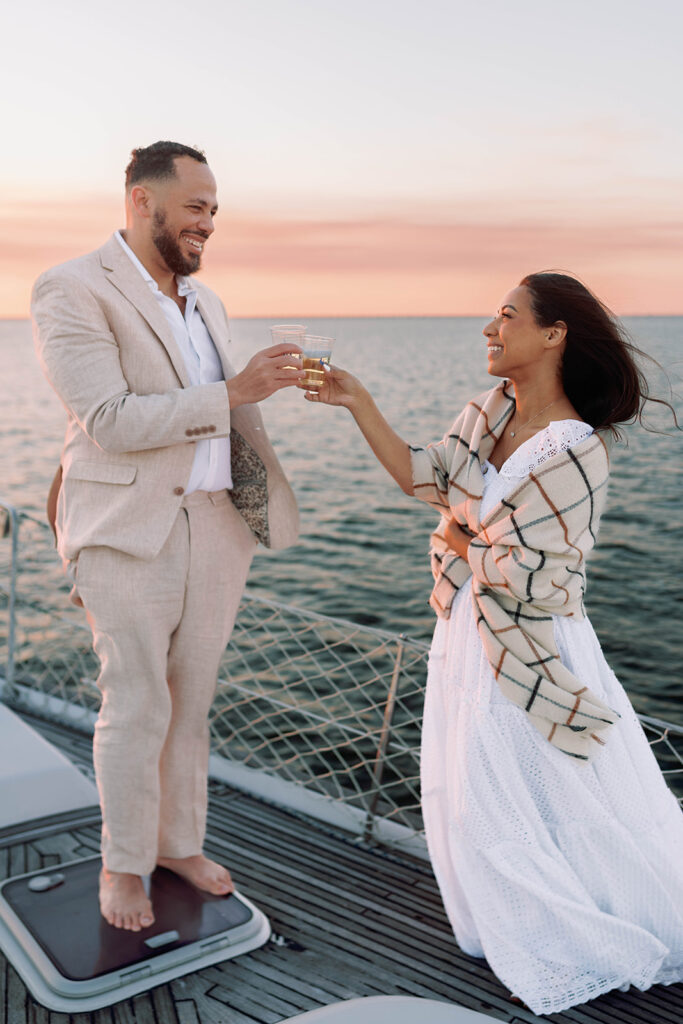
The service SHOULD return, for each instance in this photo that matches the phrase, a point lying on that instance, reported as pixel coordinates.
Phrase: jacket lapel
(248, 441)
(126, 278)
(217, 331)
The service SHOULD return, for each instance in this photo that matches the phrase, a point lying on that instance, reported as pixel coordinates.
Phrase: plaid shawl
(527, 559)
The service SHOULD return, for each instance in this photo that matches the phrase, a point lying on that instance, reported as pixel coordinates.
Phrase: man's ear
(140, 200)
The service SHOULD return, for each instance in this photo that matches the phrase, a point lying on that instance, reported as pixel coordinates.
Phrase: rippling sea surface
(363, 549)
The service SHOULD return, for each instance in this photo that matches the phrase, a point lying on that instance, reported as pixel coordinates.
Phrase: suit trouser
(159, 630)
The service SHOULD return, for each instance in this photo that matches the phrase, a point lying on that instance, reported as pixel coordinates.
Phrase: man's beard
(170, 251)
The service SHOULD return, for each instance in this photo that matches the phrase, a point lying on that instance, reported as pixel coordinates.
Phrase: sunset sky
(373, 157)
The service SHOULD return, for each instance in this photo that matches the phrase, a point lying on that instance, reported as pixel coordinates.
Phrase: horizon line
(296, 318)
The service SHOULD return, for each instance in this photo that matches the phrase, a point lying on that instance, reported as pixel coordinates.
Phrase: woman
(555, 841)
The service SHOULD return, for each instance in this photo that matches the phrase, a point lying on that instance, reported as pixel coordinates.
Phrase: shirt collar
(183, 284)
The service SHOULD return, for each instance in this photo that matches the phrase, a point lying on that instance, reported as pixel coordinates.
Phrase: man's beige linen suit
(159, 572)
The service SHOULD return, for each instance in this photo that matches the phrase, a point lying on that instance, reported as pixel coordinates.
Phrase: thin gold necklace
(535, 417)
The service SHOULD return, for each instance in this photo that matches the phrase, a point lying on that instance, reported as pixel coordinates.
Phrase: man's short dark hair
(156, 162)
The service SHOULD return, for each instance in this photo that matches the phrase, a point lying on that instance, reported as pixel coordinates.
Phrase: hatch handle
(162, 939)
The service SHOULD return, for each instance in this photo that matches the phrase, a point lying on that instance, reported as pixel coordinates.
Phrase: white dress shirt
(211, 466)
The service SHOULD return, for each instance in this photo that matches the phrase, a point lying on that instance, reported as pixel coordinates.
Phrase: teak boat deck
(347, 922)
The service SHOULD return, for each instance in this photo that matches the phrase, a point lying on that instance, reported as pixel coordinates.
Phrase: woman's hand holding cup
(338, 388)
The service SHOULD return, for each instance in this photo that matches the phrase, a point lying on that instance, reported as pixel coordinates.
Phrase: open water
(363, 550)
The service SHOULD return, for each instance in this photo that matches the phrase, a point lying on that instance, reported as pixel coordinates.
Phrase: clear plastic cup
(315, 355)
(288, 332)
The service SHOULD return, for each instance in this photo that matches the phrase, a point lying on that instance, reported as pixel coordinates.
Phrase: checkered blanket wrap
(527, 559)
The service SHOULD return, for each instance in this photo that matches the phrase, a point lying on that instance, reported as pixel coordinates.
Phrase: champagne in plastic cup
(316, 352)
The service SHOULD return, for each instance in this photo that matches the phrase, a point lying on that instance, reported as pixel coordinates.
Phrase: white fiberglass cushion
(36, 780)
(397, 1009)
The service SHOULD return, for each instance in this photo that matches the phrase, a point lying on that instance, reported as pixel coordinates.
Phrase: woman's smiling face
(514, 340)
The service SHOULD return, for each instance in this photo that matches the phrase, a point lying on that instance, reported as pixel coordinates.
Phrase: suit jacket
(109, 353)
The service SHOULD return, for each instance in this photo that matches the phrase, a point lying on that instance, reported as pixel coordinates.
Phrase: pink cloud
(368, 266)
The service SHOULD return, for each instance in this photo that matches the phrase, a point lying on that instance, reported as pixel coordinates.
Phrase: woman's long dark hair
(600, 373)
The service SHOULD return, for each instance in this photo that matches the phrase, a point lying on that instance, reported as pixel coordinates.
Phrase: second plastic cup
(316, 352)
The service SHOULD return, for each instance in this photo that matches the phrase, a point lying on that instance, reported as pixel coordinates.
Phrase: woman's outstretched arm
(341, 388)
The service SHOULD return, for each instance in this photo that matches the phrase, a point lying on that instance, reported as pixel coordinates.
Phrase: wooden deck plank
(59, 1018)
(267, 972)
(143, 1009)
(17, 860)
(187, 1012)
(273, 991)
(17, 998)
(335, 914)
(192, 995)
(62, 844)
(285, 827)
(247, 1005)
(4, 996)
(122, 1013)
(371, 875)
(357, 883)
(336, 960)
(634, 1008)
(314, 929)
(37, 1014)
(164, 1006)
(285, 1004)
(323, 974)
(348, 902)
(103, 1016)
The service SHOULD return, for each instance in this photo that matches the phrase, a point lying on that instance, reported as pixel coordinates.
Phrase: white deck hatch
(71, 960)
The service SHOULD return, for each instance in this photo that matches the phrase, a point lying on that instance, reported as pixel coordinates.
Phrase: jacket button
(178, 490)
(212, 429)
(189, 432)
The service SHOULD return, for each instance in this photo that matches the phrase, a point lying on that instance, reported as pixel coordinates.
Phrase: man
(168, 481)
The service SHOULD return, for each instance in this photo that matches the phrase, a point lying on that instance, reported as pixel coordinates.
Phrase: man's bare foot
(202, 872)
(123, 901)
